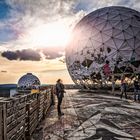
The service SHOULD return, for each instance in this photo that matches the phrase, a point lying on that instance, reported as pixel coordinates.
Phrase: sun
(49, 35)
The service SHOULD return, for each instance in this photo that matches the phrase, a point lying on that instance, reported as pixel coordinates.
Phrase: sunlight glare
(53, 34)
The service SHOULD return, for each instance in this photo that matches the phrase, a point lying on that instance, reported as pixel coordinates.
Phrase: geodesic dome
(106, 42)
(27, 81)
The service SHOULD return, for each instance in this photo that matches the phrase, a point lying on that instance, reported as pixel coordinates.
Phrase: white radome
(27, 80)
(108, 34)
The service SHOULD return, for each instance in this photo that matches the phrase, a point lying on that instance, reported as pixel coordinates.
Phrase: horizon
(34, 36)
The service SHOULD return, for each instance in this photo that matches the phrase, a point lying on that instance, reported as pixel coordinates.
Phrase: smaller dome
(28, 80)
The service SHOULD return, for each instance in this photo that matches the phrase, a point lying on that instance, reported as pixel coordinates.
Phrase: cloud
(25, 15)
(43, 8)
(3, 71)
(35, 55)
(10, 55)
(26, 54)
(53, 53)
(63, 60)
(91, 5)
(7, 33)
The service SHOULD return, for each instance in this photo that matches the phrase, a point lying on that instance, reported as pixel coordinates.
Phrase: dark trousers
(59, 104)
(136, 93)
(124, 93)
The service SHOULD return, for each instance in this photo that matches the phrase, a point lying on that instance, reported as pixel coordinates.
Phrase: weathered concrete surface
(91, 116)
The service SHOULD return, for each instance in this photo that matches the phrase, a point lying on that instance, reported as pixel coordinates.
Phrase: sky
(35, 33)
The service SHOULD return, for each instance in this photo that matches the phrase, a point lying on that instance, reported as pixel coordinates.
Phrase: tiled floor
(92, 117)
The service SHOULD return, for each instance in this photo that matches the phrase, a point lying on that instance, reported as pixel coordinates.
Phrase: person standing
(106, 69)
(123, 88)
(60, 94)
(113, 84)
(136, 90)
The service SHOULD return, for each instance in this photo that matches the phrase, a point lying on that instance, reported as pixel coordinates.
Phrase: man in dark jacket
(60, 94)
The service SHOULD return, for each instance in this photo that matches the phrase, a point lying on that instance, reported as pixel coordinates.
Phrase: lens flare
(46, 35)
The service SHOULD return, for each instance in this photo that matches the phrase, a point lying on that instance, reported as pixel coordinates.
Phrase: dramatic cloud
(27, 54)
(53, 53)
(10, 55)
(35, 55)
(43, 8)
(19, 19)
